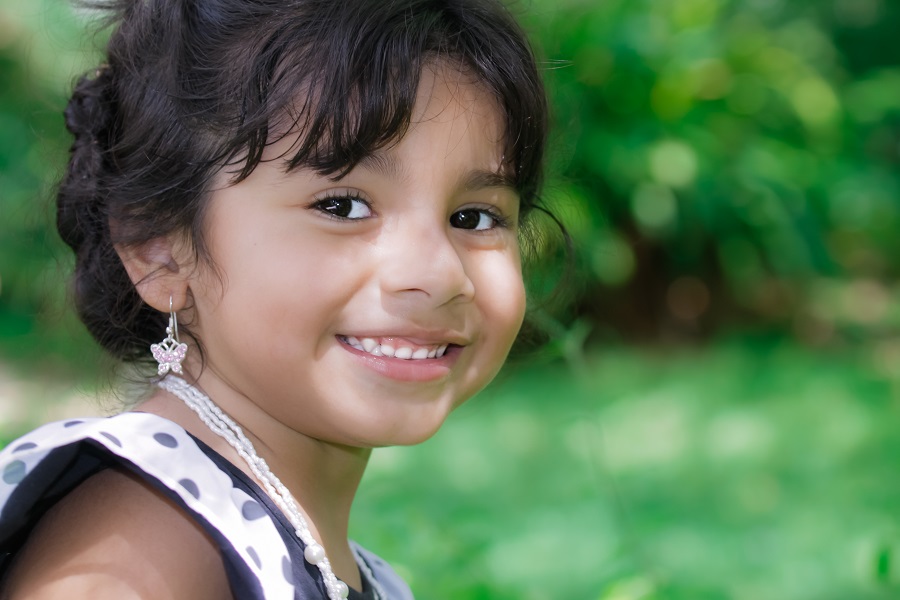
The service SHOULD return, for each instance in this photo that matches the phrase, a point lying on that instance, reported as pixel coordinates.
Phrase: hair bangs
(344, 109)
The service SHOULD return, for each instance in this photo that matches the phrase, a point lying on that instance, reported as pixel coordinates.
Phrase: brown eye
(344, 207)
(473, 219)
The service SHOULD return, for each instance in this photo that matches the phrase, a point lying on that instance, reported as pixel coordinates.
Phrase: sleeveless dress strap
(42, 466)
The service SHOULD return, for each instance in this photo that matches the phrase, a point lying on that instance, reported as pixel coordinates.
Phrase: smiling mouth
(396, 347)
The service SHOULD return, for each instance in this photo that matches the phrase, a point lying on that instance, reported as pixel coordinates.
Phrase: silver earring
(170, 352)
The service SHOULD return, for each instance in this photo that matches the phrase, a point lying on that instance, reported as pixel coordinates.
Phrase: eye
(476, 219)
(346, 207)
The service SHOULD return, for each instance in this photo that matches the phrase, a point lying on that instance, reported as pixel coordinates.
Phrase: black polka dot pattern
(166, 454)
(166, 440)
(111, 438)
(191, 487)
(252, 510)
(14, 472)
(254, 556)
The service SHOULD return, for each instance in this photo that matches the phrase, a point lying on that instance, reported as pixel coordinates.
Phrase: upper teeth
(373, 347)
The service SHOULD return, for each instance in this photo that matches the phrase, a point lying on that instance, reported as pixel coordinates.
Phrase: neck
(322, 476)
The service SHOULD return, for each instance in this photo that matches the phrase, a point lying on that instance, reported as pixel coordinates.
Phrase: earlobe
(156, 273)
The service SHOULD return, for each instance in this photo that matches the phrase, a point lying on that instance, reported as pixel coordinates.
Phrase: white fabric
(166, 452)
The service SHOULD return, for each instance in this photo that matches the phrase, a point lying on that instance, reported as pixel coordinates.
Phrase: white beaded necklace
(225, 427)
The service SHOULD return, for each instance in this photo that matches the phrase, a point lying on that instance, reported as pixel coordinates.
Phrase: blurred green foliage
(728, 163)
(728, 473)
(42, 48)
(720, 164)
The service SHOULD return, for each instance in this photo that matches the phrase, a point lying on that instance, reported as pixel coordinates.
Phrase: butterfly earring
(170, 352)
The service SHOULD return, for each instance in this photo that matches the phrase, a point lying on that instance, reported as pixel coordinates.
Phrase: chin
(412, 438)
(403, 435)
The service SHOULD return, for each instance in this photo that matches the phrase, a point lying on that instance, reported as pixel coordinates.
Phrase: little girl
(308, 213)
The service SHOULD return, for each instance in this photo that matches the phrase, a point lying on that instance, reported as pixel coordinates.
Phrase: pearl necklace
(225, 427)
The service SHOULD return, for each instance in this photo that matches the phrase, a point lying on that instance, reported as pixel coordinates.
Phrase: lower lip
(426, 369)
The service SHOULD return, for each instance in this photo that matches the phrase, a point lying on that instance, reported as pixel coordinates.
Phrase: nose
(422, 263)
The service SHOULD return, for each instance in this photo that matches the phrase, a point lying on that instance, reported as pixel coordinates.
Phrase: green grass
(743, 471)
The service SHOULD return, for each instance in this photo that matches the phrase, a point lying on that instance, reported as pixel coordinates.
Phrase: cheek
(515, 309)
(503, 295)
(500, 295)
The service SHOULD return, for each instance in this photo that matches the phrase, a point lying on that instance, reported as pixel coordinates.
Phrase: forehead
(448, 97)
(454, 110)
(368, 130)
(446, 92)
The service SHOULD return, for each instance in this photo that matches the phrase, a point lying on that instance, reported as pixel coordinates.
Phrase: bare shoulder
(115, 536)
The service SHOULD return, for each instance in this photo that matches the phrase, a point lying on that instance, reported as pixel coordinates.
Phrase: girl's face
(317, 283)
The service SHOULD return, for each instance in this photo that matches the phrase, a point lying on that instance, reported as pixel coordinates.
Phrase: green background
(714, 412)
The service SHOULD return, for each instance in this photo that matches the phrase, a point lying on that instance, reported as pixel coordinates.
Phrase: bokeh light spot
(814, 101)
(612, 260)
(673, 163)
(654, 206)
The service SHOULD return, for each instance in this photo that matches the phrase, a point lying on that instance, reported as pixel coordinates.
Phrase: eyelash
(500, 221)
(332, 195)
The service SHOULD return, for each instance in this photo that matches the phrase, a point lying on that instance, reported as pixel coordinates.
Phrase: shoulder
(159, 485)
(376, 568)
(115, 536)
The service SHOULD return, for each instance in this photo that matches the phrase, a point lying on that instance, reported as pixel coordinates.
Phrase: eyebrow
(479, 179)
(388, 166)
(384, 164)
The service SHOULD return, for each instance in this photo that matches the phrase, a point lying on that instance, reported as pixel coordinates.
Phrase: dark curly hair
(190, 87)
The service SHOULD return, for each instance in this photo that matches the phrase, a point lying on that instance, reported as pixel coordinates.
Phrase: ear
(159, 270)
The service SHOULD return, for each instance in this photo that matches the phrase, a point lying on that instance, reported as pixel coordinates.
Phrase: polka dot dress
(262, 557)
